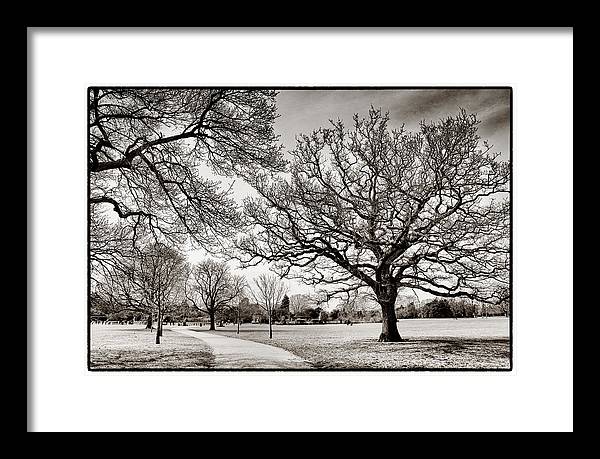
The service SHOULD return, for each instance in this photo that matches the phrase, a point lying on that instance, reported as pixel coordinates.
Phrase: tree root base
(384, 338)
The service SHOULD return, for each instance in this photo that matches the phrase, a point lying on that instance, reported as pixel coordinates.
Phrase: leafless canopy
(146, 147)
(149, 280)
(211, 287)
(300, 301)
(387, 209)
(268, 291)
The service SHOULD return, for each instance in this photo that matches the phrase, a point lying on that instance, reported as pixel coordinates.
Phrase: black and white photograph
(299, 228)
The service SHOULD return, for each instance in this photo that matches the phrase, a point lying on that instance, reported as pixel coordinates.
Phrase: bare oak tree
(211, 287)
(387, 209)
(268, 291)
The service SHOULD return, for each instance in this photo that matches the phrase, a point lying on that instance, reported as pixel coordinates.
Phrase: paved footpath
(235, 353)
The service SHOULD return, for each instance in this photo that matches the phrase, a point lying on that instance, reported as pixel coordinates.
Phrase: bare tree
(387, 209)
(299, 302)
(268, 291)
(148, 280)
(161, 275)
(356, 304)
(118, 290)
(211, 287)
(147, 148)
(239, 304)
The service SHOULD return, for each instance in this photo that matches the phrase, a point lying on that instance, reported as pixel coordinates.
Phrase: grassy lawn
(430, 344)
(132, 346)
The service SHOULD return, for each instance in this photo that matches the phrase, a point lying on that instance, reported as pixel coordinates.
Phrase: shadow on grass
(341, 351)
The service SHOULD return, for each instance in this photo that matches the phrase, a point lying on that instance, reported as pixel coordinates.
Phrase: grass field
(132, 346)
(480, 343)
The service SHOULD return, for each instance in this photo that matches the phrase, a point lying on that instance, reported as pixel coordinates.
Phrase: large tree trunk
(212, 320)
(389, 327)
(238, 322)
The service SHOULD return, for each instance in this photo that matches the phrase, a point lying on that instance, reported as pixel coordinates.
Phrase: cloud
(305, 110)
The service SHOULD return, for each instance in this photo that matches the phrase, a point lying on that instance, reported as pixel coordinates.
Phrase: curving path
(235, 353)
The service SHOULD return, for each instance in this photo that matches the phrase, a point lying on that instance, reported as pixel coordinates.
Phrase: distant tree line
(102, 310)
(450, 308)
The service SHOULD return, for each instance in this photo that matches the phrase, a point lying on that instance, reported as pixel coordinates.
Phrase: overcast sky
(302, 111)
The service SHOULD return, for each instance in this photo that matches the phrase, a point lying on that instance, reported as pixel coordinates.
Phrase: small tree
(161, 275)
(268, 292)
(132, 277)
(299, 302)
(240, 307)
(211, 287)
(148, 280)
